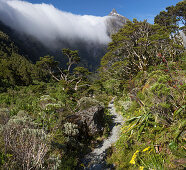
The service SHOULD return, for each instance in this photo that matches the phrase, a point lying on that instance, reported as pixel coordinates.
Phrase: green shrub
(87, 102)
(160, 89)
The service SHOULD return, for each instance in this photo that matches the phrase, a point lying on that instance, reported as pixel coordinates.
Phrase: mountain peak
(115, 22)
(113, 12)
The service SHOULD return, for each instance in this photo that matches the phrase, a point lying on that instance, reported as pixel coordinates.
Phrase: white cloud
(47, 23)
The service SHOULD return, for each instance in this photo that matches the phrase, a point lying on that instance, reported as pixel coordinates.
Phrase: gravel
(96, 159)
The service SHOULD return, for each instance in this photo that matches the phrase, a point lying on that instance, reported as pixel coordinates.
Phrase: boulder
(93, 117)
(90, 121)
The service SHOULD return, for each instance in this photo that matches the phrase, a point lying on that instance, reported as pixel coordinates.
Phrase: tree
(137, 46)
(73, 58)
(174, 17)
(48, 64)
(81, 74)
(69, 76)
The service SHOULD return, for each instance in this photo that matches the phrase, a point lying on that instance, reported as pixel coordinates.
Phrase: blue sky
(140, 9)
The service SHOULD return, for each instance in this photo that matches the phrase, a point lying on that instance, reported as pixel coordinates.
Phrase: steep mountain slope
(115, 22)
(90, 51)
(15, 69)
(28, 46)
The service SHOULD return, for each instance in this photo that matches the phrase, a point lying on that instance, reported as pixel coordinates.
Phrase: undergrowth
(153, 136)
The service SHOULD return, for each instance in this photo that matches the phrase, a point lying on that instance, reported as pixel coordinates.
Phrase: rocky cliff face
(115, 22)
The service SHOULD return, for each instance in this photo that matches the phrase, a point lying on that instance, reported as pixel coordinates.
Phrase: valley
(89, 92)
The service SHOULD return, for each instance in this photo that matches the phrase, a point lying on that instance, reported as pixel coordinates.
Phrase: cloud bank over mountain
(49, 24)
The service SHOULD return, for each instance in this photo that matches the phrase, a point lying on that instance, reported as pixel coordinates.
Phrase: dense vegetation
(35, 103)
(144, 69)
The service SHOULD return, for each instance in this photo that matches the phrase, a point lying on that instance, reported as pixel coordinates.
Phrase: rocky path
(95, 159)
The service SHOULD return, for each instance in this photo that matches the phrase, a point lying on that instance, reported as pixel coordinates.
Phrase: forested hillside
(51, 116)
(15, 69)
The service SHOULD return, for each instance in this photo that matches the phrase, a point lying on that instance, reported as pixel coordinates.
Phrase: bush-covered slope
(145, 68)
(153, 105)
